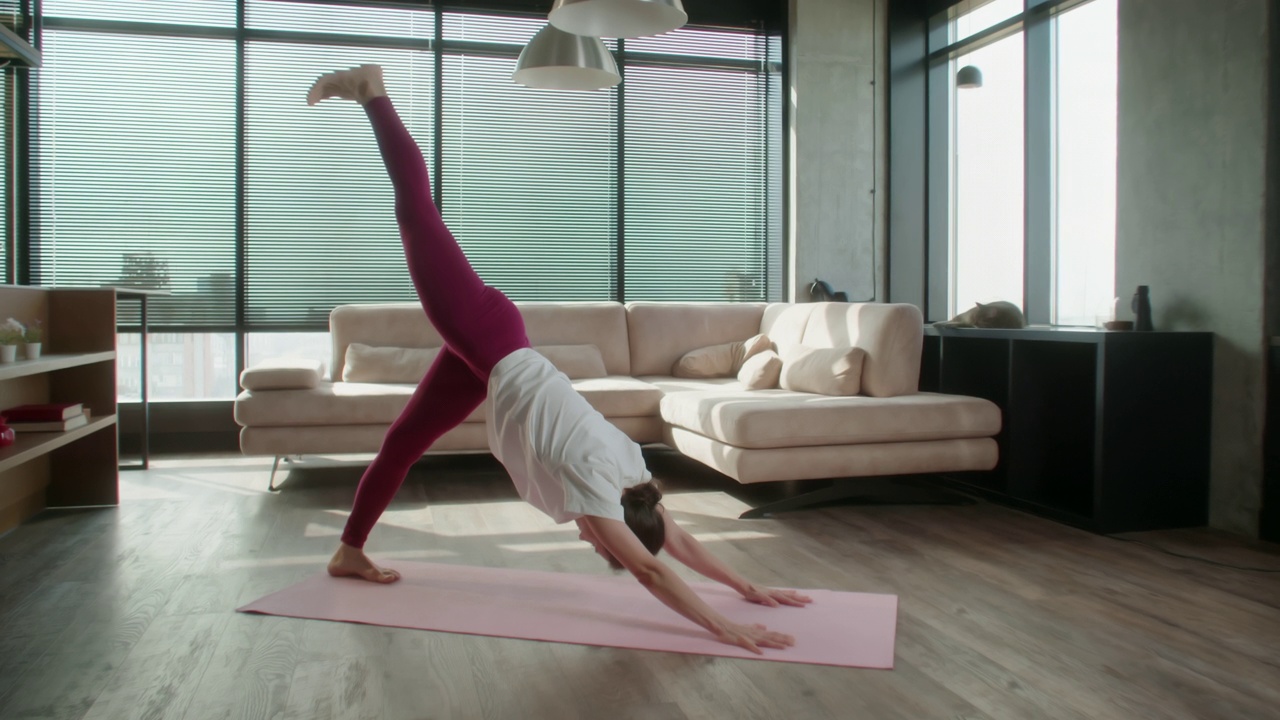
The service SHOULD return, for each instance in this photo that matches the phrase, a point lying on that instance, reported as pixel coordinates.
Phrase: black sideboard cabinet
(1108, 431)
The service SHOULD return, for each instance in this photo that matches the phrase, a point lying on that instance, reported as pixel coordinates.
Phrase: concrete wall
(836, 139)
(1191, 207)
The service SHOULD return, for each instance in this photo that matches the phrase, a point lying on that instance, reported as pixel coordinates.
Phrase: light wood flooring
(128, 612)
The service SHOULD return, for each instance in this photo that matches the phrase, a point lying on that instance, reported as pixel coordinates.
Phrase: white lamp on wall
(558, 60)
(617, 18)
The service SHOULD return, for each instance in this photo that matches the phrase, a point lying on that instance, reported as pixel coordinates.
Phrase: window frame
(1035, 22)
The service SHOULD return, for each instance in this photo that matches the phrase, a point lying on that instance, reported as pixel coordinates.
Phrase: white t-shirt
(566, 459)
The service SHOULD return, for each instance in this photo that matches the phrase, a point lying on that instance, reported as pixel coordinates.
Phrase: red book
(46, 412)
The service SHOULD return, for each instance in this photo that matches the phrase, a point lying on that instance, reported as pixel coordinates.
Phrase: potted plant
(11, 333)
(32, 338)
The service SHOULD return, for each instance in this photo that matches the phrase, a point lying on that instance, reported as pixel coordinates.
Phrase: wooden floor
(128, 612)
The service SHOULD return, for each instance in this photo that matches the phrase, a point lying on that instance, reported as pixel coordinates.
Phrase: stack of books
(46, 417)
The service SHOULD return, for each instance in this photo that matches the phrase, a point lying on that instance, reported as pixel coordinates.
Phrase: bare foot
(352, 562)
(361, 84)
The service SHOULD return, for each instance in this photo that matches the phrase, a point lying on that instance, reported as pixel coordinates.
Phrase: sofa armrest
(283, 374)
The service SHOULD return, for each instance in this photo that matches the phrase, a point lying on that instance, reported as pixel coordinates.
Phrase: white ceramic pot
(32, 350)
(8, 353)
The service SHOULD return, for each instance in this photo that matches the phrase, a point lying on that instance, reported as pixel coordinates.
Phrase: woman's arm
(685, 548)
(665, 585)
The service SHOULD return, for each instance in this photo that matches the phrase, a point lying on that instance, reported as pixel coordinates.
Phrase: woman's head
(640, 512)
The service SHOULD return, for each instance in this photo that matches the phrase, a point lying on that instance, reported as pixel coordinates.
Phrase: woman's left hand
(773, 597)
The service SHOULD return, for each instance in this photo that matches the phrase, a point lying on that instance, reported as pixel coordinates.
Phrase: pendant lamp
(969, 76)
(558, 60)
(617, 18)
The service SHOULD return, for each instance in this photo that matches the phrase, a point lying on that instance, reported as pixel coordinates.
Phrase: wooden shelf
(49, 363)
(30, 445)
(74, 468)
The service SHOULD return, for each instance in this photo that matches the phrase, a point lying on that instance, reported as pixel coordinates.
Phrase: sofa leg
(853, 490)
(271, 483)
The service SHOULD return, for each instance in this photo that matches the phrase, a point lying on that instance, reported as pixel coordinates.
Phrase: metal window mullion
(939, 223)
(240, 310)
(1038, 181)
(620, 110)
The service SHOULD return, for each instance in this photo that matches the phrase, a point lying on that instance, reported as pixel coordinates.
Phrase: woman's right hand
(753, 637)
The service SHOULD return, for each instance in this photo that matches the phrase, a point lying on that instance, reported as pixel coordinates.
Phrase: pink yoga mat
(838, 628)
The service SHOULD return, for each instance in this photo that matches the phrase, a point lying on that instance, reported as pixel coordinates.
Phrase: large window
(190, 162)
(987, 177)
(1026, 123)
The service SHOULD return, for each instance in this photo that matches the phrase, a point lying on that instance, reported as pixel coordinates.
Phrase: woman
(563, 456)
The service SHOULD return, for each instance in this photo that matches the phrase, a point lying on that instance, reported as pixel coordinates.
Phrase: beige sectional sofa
(621, 358)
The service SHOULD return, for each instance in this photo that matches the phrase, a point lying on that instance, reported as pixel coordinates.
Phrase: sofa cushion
(408, 365)
(826, 371)
(782, 418)
(723, 360)
(278, 373)
(578, 362)
(366, 364)
(345, 403)
(891, 333)
(603, 324)
(761, 372)
(660, 333)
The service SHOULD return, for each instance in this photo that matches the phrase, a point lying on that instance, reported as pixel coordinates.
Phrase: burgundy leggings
(479, 325)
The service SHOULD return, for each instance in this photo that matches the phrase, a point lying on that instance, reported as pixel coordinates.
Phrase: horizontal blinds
(256, 211)
(697, 226)
(135, 170)
(320, 225)
(530, 182)
(210, 13)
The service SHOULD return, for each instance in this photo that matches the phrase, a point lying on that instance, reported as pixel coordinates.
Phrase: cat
(999, 314)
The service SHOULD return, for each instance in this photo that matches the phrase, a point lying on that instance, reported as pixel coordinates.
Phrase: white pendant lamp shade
(617, 18)
(557, 60)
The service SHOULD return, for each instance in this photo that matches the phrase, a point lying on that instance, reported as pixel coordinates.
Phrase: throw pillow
(827, 371)
(724, 360)
(369, 364)
(576, 361)
(761, 371)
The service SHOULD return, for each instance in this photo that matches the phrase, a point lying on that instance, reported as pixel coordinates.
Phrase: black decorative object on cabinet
(1104, 430)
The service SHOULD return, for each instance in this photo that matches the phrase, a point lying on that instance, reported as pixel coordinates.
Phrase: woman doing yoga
(563, 456)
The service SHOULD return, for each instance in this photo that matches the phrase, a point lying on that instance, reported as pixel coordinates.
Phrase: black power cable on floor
(1196, 558)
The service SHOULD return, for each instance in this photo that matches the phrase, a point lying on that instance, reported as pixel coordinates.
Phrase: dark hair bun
(645, 495)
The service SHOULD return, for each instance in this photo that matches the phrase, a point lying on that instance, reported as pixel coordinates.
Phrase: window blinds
(191, 161)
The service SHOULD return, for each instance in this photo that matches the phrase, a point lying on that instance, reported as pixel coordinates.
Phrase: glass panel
(711, 244)
(315, 185)
(217, 13)
(490, 28)
(1086, 163)
(180, 366)
(529, 183)
(310, 345)
(701, 43)
(138, 188)
(988, 179)
(974, 16)
(419, 24)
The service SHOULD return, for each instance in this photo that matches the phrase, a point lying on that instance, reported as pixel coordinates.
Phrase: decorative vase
(1141, 305)
(8, 353)
(32, 351)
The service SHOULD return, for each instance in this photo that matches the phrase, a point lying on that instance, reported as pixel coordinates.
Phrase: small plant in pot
(11, 333)
(33, 337)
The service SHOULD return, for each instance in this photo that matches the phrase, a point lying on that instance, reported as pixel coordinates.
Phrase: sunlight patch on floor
(314, 530)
